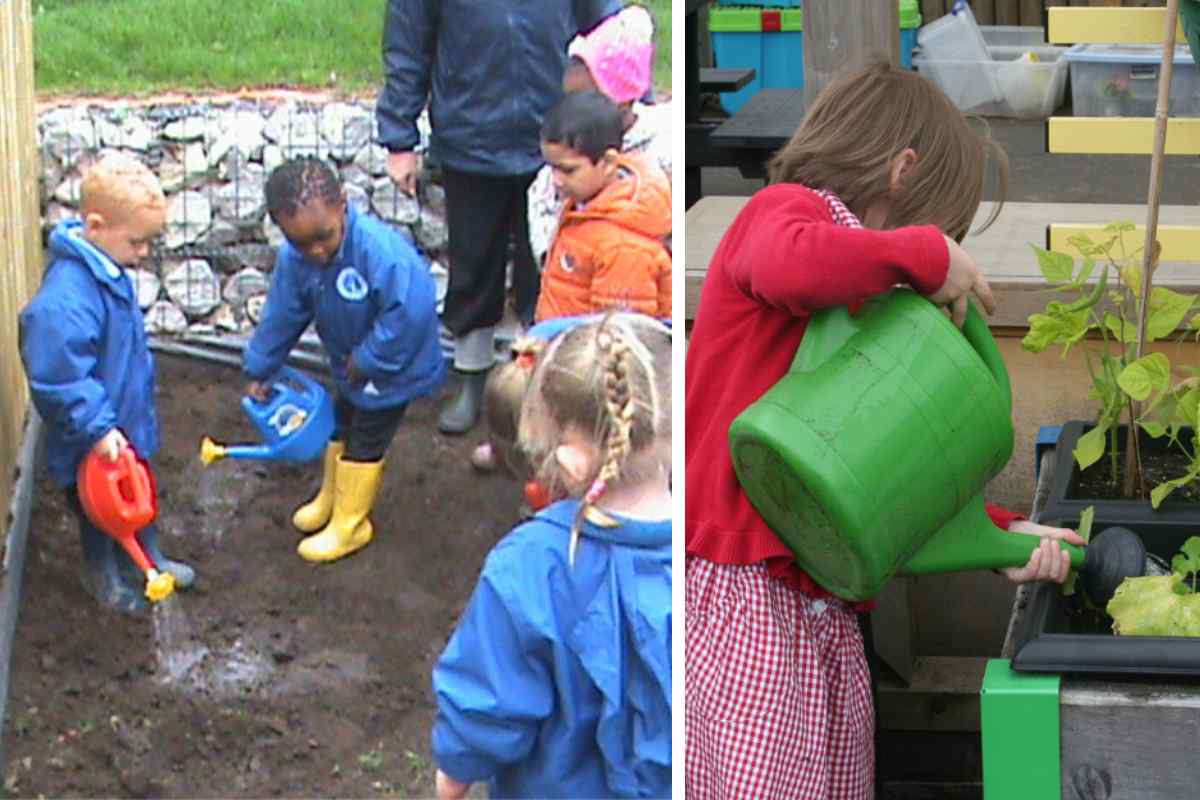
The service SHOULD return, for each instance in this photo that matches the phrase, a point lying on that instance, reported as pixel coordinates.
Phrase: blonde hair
(609, 380)
(867, 117)
(503, 396)
(119, 183)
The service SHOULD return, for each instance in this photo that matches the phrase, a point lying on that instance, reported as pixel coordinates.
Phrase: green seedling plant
(1161, 605)
(1121, 382)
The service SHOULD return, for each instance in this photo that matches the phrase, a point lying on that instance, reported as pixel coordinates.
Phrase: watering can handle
(976, 331)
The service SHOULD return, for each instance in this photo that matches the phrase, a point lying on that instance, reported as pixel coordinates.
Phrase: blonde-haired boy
(90, 372)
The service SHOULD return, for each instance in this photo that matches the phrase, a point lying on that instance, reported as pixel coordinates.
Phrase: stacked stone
(211, 270)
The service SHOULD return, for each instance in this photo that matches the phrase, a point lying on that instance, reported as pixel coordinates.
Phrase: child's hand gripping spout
(109, 445)
(1049, 562)
(450, 789)
(963, 279)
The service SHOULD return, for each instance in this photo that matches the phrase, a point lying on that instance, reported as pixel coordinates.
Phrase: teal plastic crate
(771, 41)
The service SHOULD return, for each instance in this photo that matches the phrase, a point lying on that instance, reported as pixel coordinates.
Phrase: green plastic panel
(1019, 715)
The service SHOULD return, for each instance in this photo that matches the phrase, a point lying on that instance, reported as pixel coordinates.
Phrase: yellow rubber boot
(314, 515)
(349, 529)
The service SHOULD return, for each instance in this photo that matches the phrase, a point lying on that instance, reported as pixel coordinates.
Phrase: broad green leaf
(1090, 446)
(1153, 428)
(1167, 310)
(1151, 606)
(1160, 492)
(1084, 529)
(1143, 376)
(1058, 325)
(1057, 267)
(1125, 333)
(1086, 267)
(1120, 226)
(1191, 550)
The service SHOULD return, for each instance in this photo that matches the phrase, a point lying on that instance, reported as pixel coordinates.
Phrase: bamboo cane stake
(1150, 248)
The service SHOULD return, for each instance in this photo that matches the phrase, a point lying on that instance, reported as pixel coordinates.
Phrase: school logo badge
(350, 285)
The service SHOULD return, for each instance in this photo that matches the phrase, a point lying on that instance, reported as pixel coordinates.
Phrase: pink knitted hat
(619, 53)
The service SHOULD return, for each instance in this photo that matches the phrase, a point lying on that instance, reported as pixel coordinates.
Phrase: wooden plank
(931, 10)
(985, 10)
(1120, 135)
(943, 695)
(1122, 25)
(1002, 251)
(1133, 739)
(1031, 13)
(1179, 242)
(843, 35)
(20, 236)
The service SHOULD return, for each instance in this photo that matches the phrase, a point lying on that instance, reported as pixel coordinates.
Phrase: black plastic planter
(1064, 501)
(1050, 636)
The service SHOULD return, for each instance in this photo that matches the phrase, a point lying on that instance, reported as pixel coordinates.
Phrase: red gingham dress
(777, 690)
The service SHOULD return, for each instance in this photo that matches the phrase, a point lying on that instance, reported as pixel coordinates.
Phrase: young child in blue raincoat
(90, 373)
(557, 681)
(375, 308)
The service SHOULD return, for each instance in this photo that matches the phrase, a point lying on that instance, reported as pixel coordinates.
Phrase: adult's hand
(403, 168)
(963, 279)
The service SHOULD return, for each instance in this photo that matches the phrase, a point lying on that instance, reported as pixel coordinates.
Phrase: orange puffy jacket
(612, 253)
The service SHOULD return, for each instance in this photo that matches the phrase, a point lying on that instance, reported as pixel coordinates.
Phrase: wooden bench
(1002, 250)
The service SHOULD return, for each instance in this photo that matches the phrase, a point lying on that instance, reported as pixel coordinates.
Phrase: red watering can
(119, 498)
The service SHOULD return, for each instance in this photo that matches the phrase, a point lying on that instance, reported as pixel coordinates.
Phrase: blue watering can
(296, 422)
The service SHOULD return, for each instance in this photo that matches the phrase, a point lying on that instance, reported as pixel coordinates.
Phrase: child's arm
(1048, 562)
(785, 251)
(492, 690)
(59, 350)
(285, 316)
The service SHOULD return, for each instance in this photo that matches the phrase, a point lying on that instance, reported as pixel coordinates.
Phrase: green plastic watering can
(870, 457)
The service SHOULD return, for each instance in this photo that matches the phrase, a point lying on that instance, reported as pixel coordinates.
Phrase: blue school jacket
(557, 681)
(376, 300)
(83, 343)
(489, 70)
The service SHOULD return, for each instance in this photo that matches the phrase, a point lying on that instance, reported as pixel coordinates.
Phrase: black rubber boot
(101, 577)
(462, 412)
(184, 575)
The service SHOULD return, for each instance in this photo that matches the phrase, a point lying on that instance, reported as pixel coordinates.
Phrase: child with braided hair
(557, 680)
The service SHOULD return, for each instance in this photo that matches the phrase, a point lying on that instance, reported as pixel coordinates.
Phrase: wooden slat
(985, 10)
(1179, 242)
(1002, 251)
(20, 242)
(1120, 135)
(931, 10)
(1031, 13)
(1102, 25)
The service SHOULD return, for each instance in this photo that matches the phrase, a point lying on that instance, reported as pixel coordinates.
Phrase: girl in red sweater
(875, 189)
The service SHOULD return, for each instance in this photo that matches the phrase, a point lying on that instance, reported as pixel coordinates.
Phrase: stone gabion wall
(210, 272)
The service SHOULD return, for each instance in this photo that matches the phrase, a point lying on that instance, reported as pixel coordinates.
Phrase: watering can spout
(258, 452)
(970, 540)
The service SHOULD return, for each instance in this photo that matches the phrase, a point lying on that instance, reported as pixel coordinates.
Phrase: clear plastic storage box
(1027, 82)
(1121, 80)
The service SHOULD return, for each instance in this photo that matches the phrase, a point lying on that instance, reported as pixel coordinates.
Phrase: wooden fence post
(846, 34)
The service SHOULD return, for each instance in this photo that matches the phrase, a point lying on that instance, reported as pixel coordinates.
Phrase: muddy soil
(271, 677)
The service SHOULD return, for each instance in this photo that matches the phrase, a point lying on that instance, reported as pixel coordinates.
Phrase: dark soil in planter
(304, 680)
(1160, 463)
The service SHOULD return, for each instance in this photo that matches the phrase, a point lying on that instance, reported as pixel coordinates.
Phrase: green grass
(140, 47)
